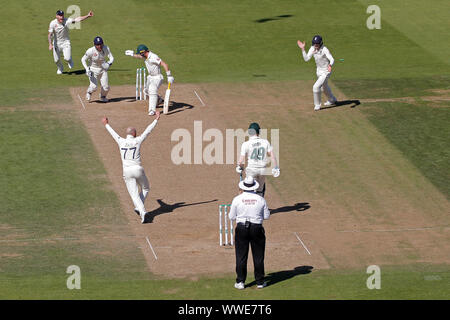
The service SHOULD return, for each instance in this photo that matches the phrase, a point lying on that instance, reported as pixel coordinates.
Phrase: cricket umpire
(249, 210)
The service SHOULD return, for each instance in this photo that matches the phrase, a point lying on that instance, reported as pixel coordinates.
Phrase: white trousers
(258, 175)
(66, 50)
(98, 75)
(153, 84)
(134, 178)
(322, 85)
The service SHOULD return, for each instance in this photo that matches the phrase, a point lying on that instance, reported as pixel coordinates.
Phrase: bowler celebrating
(324, 62)
(59, 31)
(133, 172)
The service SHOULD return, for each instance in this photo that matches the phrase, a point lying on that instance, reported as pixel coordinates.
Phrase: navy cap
(98, 40)
(59, 13)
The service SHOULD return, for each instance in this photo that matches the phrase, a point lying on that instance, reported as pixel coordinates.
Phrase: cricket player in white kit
(257, 149)
(133, 172)
(97, 69)
(153, 64)
(59, 31)
(324, 62)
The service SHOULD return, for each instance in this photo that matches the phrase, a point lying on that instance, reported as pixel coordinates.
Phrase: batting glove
(239, 169)
(170, 79)
(88, 73)
(276, 172)
(129, 53)
(105, 65)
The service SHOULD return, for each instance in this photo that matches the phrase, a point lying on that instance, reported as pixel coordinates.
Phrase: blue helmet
(98, 40)
(59, 13)
(317, 40)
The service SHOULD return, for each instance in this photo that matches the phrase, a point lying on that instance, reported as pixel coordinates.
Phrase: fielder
(133, 172)
(97, 70)
(257, 150)
(153, 64)
(59, 31)
(324, 62)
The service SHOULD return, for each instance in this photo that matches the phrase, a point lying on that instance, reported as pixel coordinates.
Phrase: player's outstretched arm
(132, 54)
(90, 14)
(111, 131)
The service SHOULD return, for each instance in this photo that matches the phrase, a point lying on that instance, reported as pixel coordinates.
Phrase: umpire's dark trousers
(254, 236)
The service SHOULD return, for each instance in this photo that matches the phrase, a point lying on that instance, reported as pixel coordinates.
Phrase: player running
(324, 62)
(258, 150)
(97, 70)
(133, 172)
(154, 78)
(59, 31)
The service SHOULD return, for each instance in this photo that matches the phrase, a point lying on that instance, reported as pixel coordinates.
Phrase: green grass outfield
(54, 186)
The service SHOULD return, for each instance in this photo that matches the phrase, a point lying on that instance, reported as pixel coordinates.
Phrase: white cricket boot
(143, 217)
(239, 285)
(88, 97)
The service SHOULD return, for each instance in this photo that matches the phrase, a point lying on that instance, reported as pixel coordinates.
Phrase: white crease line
(148, 241)
(302, 243)
(81, 102)
(199, 97)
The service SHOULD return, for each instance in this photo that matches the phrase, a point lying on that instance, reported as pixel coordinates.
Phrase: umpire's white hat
(249, 184)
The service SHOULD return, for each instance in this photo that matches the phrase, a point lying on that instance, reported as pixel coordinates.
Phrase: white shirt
(97, 58)
(322, 56)
(249, 206)
(60, 30)
(256, 148)
(130, 147)
(153, 63)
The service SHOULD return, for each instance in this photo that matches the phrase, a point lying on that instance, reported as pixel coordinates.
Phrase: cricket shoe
(103, 99)
(88, 97)
(262, 285)
(316, 108)
(152, 113)
(143, 217)
(59, 71)
(329, 103)
(239, 285)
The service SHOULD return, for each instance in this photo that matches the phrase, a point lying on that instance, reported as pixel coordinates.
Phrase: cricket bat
(166, 100)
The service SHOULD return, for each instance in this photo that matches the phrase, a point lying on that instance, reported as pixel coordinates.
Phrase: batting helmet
(98, 40)
(59, 13)
(317, 40)
(254, 127)
(141, 49)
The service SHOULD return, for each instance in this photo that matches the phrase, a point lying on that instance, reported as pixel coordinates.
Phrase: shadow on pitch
(283, 16)
(175, 107)
(284, 275)
(301, 206)
(167, 208)
(352, 103)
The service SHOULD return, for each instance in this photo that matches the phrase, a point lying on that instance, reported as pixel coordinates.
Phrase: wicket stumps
(224, 210)
(141, 81)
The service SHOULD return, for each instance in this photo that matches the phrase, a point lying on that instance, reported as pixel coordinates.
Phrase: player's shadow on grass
(352, 103)
(75, 72)
(301, 206)
(175, 107)
(275, 277)
(283, 16)
(167, 208)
